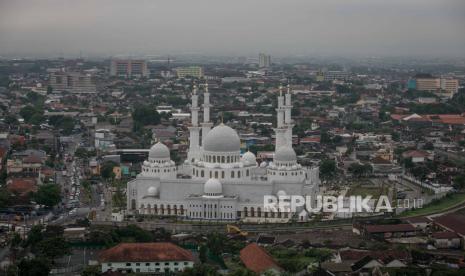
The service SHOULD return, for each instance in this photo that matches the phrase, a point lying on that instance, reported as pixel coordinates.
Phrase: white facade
(147, 267)
(222, 184)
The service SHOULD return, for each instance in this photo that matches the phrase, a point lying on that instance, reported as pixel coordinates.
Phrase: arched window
(214, 158)
(133, 204)
(222, 174)
(252, 212)
(238, 174)
(222, 159)
(228, 159)
(202, 174)
(247, 172)
(232, 174)
(216, 174)
(245, 211)
(259, 212)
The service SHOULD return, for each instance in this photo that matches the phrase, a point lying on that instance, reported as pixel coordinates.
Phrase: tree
(48, 195)
(459, 182)
(106, 171)
(54, 231)
(35, 235)
(200, 270)
(360, 170)
(428, 146)
(52, 248)
(145, 115)
(327, 168)
(203, 253)
(216, 243)
(15, 240)
(91, 270)
(134, 233)
(31, 114)
(33, 267)
(242, 272)
(5, 197)
(81, 153)
(65, 123)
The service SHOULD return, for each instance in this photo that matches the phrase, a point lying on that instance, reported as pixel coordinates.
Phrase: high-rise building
(336, 75)
(75, 82)
(264, 60)
(190, 71)
(450, 86)
(320, 76)
(128, 68)
(428, 84)
(443, 87)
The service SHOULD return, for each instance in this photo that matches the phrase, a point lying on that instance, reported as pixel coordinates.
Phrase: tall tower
(288, 119)
(206, 125)
(194, 129)
(280, 129)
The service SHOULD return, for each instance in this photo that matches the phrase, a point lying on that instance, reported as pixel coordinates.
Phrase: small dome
(249, 158)
(152, 191)
(281, 193)
(285, 154)
(213, 187)
(263, 164)
(222, 139)
(159, 151)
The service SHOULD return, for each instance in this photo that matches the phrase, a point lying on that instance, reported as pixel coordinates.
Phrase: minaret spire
(288, 116)
(206, 125)
(194, 129)
(280, 130)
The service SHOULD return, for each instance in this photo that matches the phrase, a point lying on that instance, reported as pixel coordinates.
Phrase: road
(72, 205)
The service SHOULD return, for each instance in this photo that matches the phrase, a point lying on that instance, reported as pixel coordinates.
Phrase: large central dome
(222, 139)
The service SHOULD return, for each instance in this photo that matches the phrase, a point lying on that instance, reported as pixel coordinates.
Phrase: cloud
(235, 27)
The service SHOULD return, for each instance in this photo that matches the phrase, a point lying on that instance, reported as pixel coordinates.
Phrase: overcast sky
(233, 27)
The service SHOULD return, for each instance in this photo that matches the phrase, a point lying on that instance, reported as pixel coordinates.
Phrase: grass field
(437, 205)
(363, 191)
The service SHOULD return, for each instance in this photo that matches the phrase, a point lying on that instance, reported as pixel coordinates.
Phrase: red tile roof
(354, 255)
(145, 252)
(22, 185)
(389, 228)
(445, 235)
(2, 152)
(257, 259)
(415, 153)
(448, 119)
(315, 139)
(453, 222)
(31, 159)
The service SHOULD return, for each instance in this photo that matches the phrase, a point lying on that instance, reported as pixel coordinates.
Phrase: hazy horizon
(48, 28)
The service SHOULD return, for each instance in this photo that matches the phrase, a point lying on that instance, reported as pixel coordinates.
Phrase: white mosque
(221, 184)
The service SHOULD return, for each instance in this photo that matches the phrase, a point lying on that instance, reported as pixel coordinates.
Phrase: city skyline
(346, 28)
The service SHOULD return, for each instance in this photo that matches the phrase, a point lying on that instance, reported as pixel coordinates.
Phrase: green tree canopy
(327, 168)
(53, 247)
(48, 195)
(106, 171)
(145, 115)
(33, 267)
